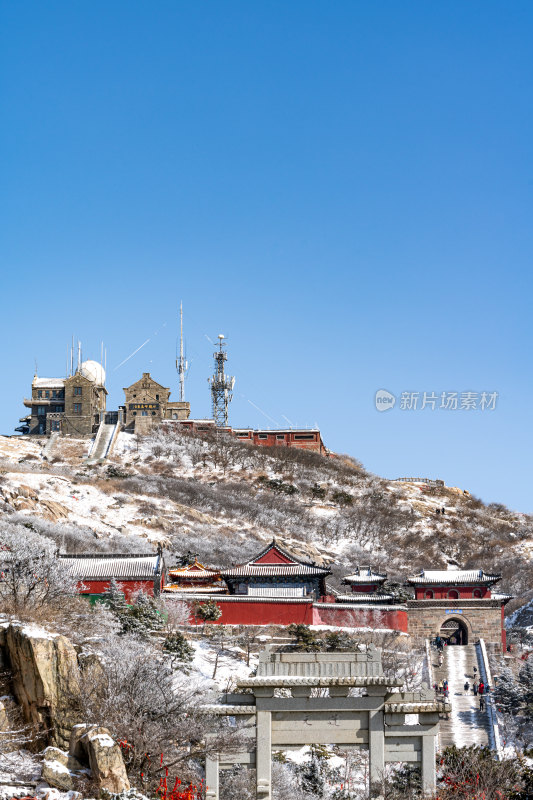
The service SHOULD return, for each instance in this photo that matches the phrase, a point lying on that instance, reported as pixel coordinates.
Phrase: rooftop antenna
(35, 367)
(221, 386)
(79, 355)
(181, 363)
(72, 357)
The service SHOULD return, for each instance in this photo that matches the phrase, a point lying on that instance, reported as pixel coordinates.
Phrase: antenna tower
(221, 386)
(182, 364)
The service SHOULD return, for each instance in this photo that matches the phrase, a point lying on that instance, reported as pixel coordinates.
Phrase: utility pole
(221, 386)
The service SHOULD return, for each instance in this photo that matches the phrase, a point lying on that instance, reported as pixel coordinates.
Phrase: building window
(453, 594)
(40, 393)
(55, 426)
(58, 409)
(144, 413)
(77, 408)
(476, 593)
(54, 393)
(77, 390)
(157, 397)
(41, 411)
(280, 436)
(262, 436)
(153, 413)
(61, 393)
(429, 595)
(134, 413)
(304, 436)
(47, 393)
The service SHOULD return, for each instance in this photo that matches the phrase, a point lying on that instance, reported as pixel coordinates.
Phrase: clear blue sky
(344, 189)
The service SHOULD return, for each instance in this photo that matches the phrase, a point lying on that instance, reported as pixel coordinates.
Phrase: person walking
(466, 687)
(475, 687)
(481, 689)
(481, 703)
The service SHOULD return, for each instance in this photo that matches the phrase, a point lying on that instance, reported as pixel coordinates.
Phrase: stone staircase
(466, 725)
(103, 442)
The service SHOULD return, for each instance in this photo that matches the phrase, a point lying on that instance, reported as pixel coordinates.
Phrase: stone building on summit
(69, 406)
(147, 404)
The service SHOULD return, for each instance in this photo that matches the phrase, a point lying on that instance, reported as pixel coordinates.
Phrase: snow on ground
(86, 505)
(231, 664)
(19, 766)
(18, 447)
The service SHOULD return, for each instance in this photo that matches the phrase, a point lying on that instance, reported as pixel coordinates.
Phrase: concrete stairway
(102, 444)
(466, 725)
(49, 446)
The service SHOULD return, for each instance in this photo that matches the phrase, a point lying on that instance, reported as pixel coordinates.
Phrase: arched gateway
(460, 605)
(454, 631)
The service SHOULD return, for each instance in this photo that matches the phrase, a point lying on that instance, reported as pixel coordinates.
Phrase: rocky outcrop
(56, 771)
(45, 679)
(93, 745)
(92, 753)
(24, 498)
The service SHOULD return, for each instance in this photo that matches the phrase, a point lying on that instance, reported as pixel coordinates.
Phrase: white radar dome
(93, 371)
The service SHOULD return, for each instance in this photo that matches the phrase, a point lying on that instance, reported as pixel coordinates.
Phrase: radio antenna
(181, 363)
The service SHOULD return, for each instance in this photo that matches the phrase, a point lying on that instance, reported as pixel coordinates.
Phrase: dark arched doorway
(454, 631)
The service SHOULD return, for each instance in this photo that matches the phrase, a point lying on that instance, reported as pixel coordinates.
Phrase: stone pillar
(264, 755)
(211, 776)
(428, 764)
(376, 746)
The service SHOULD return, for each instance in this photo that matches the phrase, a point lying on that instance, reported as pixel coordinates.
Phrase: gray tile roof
(129, 567)
(445, 576)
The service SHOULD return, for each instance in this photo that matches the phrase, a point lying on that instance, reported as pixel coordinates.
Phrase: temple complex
(278, 588)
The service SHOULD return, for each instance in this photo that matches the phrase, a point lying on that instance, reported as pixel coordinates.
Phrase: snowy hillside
(222, 500)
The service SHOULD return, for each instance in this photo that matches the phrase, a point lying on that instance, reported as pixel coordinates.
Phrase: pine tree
(143, 617)
(508, 695)
(208, 611)
(114, 598)
(306, 639)
(525, 679)
(339, 640)
(178, 648)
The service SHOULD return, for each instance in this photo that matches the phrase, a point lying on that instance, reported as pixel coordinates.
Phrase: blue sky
(344, 189)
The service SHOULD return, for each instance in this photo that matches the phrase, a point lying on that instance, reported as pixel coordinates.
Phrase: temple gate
(375, 721)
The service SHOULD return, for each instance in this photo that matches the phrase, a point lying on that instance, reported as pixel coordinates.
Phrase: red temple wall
(392, 619)
(243, 612)
(128, 587)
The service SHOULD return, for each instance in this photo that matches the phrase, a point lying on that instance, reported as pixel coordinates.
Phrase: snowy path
(467, 725)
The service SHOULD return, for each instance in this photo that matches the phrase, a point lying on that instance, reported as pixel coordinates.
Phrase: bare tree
(32, 575)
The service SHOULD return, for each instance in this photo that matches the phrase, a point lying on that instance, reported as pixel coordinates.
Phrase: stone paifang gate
(375, 721)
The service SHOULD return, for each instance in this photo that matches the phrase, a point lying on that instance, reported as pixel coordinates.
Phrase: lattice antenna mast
(181, 363)
(221, 386)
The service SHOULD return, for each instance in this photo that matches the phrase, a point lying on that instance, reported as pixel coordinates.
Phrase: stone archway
(454, 631)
